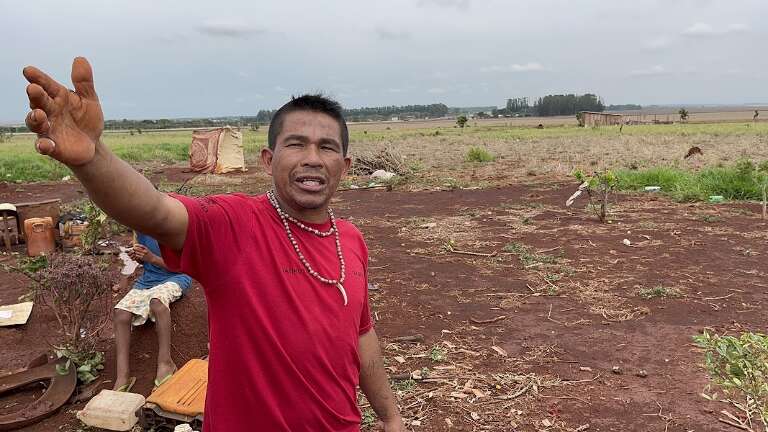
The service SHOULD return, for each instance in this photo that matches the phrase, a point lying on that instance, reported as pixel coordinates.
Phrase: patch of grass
(527, 256)
(403, 385)
(29, 167)
(479, 154)
(658, 292)
(368, 418)
(437, 354)
(735, 182)
(20, 163)
(710, 218)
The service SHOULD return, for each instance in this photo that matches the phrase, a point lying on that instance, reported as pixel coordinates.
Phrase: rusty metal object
(59, 391)
(39, 209)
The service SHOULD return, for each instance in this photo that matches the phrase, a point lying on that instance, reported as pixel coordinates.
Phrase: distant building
(597, 119)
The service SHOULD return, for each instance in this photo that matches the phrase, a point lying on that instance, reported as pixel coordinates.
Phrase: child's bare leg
(122, 322)
(165, 365)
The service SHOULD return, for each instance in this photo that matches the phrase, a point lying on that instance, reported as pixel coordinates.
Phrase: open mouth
(310, 183)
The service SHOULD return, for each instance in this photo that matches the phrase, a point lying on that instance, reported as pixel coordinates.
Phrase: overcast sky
(207, 58)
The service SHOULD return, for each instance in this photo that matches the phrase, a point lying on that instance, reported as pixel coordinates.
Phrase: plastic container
(112, 410)
(40, 236)
(716, 198)
(652, 188)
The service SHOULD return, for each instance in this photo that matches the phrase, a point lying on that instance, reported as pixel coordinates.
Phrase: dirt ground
(544, 330)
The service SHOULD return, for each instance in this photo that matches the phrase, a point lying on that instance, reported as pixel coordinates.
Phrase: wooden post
(6, 234)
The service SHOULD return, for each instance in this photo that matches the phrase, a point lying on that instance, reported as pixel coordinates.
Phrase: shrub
(76, 289)
(739, 366)
(599, 187)
(478, 154)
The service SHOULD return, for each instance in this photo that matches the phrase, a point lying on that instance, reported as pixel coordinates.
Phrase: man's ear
(266, 159)
(347, 165)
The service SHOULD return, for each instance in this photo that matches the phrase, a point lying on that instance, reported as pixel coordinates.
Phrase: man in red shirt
(286, 283)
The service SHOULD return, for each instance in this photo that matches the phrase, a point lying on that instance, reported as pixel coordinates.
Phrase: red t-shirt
(284, 348)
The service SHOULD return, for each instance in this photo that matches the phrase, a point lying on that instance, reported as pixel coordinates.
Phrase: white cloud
(436, 90)
(526, 67)
(228, 29)
(650, 71)
(700, 29)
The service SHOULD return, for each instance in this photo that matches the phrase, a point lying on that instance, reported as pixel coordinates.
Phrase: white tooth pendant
(343, 292)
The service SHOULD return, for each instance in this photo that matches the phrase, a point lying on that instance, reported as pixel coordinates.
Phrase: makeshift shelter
(217, 150)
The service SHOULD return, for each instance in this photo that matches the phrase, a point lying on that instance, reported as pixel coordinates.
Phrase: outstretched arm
(69, 125)
(375, 385)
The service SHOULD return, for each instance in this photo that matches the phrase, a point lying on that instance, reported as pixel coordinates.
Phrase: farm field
(527, 315)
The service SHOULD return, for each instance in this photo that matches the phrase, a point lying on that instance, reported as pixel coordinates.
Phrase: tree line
(551, 105)
(379, 113)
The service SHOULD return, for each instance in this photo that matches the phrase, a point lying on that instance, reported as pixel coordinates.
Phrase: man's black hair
(309, 102)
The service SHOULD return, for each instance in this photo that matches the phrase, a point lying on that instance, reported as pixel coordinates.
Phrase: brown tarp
(217, 150)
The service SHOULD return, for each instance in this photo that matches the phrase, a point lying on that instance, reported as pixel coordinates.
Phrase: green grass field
(553, 151)
(20, 163)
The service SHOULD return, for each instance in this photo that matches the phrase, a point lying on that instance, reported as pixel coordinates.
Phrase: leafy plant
(75, 288)
(479, 154)
(599, 187)
(683, 114)
(368, 418)
(739, 366)
(31, 265)
(658, 292)
(461, 121)
(96, 219)
(87, 364)
(437, 354)
(403, 385)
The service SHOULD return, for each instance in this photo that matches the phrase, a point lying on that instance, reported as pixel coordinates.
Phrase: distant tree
(569, 104)
(481, 115)
(461, 121)
(754, 117)
(683, 114)
(580, 118)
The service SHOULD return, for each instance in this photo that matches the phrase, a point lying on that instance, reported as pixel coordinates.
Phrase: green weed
(658, 292)
(478, 154)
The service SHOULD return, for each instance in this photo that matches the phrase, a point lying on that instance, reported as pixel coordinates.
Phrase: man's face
(307, 163)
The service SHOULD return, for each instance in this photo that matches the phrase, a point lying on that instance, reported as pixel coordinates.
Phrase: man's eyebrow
(329, 141)
(297, 137)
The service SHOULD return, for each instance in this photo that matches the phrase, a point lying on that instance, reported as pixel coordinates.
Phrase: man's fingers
(38, 98)
(45, 146)
(37, 122)
(36, 76)
(82, 78)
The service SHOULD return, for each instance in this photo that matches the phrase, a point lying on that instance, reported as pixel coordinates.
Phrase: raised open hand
(68, 123)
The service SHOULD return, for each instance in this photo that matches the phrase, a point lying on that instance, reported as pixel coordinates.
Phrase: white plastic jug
(111, 410)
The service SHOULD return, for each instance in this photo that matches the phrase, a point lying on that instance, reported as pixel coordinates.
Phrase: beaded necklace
(285, 218)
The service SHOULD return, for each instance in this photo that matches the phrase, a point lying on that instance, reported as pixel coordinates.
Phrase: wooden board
(15, 314)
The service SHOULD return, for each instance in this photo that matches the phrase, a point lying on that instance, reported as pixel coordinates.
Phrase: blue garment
(154, 275)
